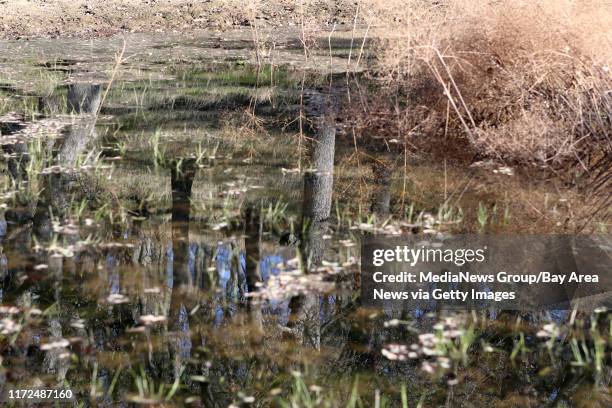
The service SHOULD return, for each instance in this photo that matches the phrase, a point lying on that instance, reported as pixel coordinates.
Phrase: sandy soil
(96, 18)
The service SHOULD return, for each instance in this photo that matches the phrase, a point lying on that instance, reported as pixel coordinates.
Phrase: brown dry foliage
(529, 80)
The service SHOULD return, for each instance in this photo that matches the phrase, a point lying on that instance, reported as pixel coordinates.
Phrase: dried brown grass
(520, 80)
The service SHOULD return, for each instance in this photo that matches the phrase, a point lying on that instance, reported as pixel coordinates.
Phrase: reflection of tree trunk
(82, 99)
(17, 163)
(76, 140)
(318, 187)
(305, 320)
(182, 175)
(54, 362)
(359, 349)
(252, 243)
(18, 159)
(381, 196)
(252, 246)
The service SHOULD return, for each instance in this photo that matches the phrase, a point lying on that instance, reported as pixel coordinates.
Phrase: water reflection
(319, 184)
(83, 101)
(305, 322)
(381, 194)
(165, 295)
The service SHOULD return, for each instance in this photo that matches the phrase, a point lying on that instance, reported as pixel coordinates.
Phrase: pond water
(183, 228)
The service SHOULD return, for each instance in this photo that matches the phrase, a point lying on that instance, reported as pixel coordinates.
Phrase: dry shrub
(529, 136)
(519, 80)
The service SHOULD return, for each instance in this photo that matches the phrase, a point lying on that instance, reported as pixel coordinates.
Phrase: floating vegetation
(149, 320)
(58, 344)
(117, 299)
(293, 283)
(9, 326)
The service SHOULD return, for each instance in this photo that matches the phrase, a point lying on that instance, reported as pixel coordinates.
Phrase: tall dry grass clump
(518, 80)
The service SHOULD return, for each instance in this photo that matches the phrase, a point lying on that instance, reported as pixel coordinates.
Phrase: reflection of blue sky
(268, 266)
(191, 260)
(231, 284)
(223, 265)
(223, 261)
(225, 301)
(194, 248)
(169, 269)
(228, 278)
(113, 274)
(184, 341)
(558, 316)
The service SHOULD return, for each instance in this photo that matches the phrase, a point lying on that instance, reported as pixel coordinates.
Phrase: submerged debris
(292, 283)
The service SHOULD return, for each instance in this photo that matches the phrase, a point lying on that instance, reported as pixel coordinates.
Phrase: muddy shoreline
(24, 19)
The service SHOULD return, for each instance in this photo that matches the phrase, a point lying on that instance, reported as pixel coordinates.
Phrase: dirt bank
(96, 18)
